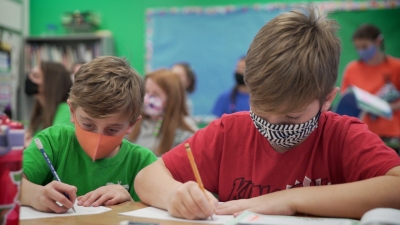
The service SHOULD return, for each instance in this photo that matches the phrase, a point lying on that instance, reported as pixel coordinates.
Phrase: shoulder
(63, 106)
(63, 109)
(332, 120)
(353, 65)
(393, 61)
(225, 94)
(343, 128)
(234, 120)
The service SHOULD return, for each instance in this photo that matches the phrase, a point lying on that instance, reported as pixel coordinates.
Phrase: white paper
(31, 213)
(280, 220)
(250, 218)
(159, 214)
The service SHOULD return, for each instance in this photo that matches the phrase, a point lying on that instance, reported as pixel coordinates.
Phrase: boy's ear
(132, 124)
(329, 99)
(71, 111)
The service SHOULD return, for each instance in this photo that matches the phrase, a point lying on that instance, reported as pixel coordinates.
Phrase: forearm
(155, 185)
(349, 200)
(28, 191)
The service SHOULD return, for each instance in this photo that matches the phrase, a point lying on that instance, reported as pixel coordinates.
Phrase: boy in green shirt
(92, 160)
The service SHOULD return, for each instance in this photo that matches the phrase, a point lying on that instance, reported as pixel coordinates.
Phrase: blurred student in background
(49, 83)
(379, 74)
(236, 99)
(188, 79)
(165, 122)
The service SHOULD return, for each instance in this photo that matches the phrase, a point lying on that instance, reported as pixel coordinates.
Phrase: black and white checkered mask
(285, 135)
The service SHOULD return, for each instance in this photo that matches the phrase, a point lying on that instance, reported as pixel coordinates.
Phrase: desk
(108, 218)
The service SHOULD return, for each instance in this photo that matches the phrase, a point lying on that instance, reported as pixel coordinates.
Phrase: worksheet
(31, 213)
(160, 214)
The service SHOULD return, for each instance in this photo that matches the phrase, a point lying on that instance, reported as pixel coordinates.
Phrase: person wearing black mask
(49, 83)
(236, 99)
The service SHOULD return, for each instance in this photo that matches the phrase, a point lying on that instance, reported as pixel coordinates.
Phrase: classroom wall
(124, 18)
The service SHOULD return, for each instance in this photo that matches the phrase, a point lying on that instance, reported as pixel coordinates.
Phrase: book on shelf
(67, 54)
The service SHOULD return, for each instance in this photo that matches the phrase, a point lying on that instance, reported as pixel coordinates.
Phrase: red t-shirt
(372, 79)
(236, 161)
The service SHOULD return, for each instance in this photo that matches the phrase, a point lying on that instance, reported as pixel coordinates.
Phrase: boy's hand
(105, 195)
(189, 202)
(47, 196)
(277, 203)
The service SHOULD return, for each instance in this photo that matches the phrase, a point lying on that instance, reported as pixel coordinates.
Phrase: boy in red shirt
(256, 160)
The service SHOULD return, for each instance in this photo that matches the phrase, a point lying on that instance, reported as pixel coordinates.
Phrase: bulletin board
(212, 39)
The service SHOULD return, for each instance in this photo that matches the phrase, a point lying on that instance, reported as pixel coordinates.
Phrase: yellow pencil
(196, 171)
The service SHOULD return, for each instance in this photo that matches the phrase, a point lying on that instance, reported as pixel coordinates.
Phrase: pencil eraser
(38, 143)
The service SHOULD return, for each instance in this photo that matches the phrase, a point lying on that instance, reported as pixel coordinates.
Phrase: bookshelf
(66, 49)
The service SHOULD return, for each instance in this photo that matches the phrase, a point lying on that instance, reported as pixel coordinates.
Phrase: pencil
(195, 170)
(51, 167)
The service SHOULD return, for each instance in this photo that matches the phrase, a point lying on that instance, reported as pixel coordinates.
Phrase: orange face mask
(97, 146)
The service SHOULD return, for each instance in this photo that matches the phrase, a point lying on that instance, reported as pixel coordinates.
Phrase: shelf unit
(66, 49)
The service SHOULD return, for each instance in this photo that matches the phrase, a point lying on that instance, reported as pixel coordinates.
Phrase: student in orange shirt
(378, 74)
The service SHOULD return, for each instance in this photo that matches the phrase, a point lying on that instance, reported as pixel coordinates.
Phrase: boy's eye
(86, 125)
(112, 131)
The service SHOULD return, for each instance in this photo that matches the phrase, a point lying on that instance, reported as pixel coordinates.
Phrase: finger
(237, 214)
(184, 212)
(53, 206)
(204, 207)
(101, 200)
(93, 197)
(54, 195)
(214, 201)
(183, 204)
(66, 190)
(84, 198)
(229, 208)
(112, 201)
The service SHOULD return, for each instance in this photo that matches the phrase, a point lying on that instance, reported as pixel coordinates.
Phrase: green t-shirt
(63, 115)
(76, 168)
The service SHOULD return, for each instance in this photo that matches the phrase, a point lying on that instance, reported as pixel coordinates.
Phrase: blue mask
(367, 54)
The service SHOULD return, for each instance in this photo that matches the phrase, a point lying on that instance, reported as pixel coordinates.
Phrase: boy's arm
(349, 200)
(156, 186)
(44, 198)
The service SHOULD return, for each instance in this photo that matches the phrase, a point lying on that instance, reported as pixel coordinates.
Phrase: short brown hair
(367, 31)
(292, 61)
(108, 85)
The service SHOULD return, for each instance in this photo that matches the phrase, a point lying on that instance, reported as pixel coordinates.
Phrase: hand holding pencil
(55, 191)
(196, 173)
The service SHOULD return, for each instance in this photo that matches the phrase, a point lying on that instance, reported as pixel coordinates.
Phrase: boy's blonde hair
(106, 86)
(292, 61)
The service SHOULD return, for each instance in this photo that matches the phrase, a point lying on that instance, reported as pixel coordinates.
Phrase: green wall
(124, 18)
